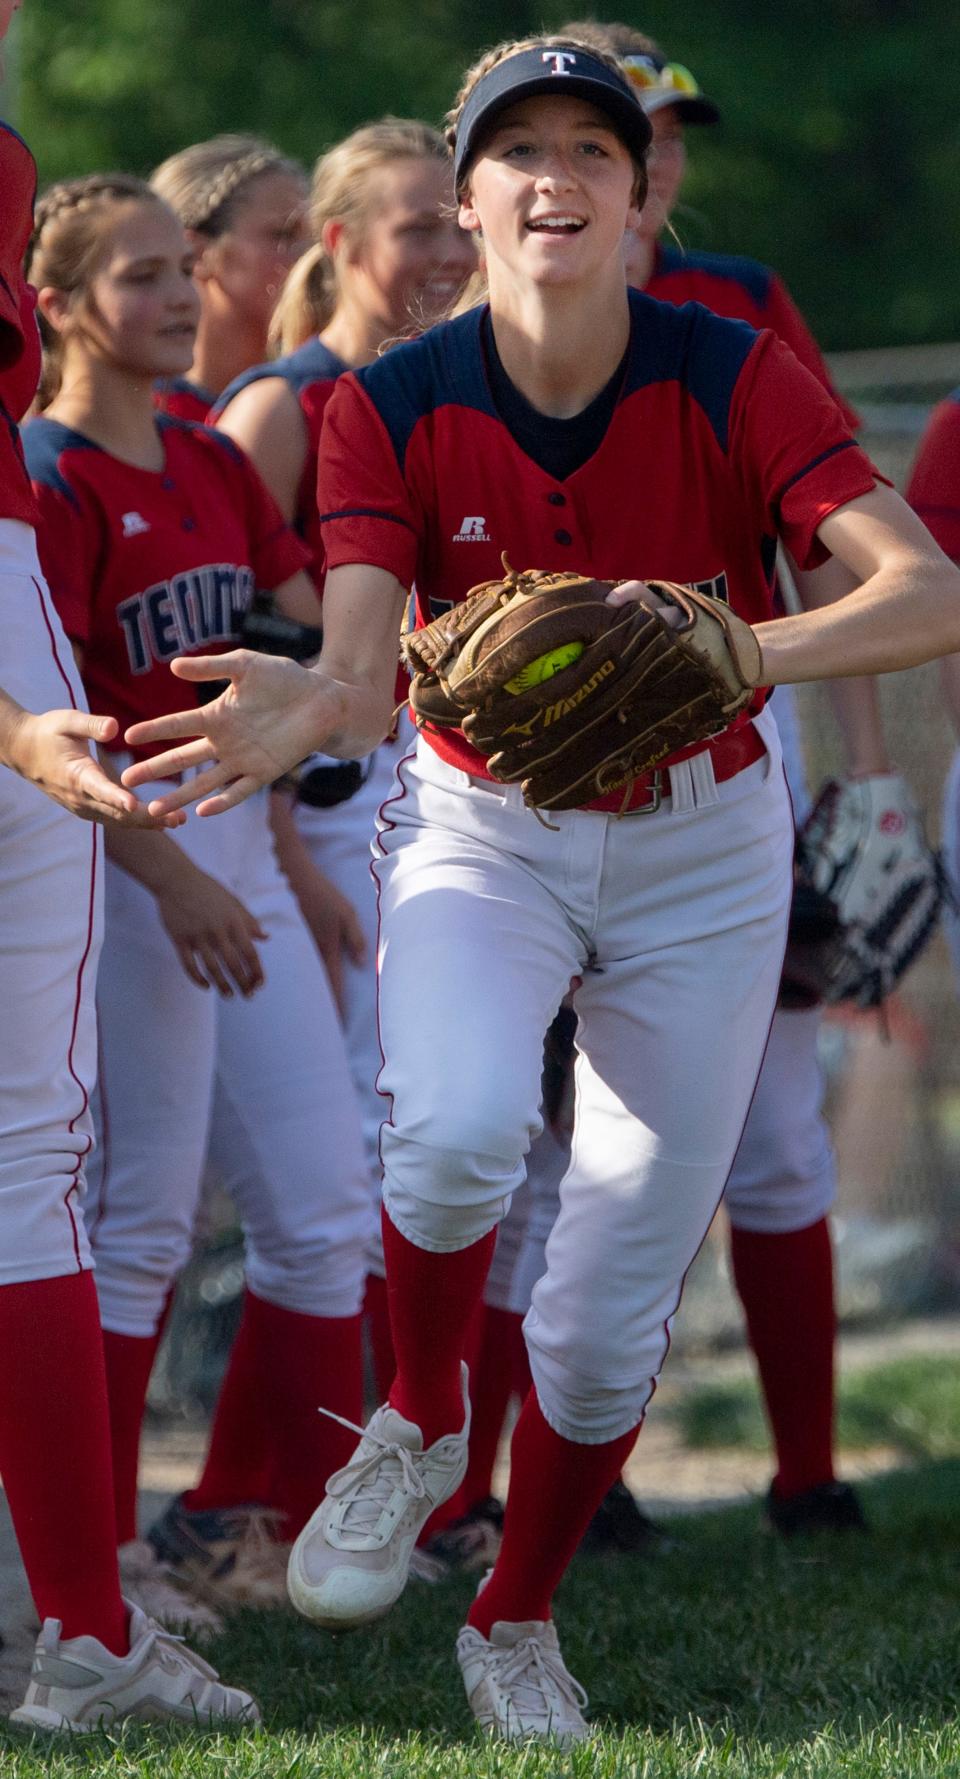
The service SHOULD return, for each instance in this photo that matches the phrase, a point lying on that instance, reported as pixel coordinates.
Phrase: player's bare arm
(855, 702)
(214, 935)
(274, 713)
(267, 421)
(905, 609)
(52, 750)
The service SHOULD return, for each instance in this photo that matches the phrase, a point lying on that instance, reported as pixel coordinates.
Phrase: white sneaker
(517, 1685)
(351, 1561)
(150, 1584)
(75, 1684)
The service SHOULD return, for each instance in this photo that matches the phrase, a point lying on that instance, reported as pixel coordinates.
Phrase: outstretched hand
(271, 715)
(52, 750)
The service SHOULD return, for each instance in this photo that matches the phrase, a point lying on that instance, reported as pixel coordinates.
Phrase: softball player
(243, 205)
(573, 424)
(95, 1652)
(155, 534)
(783, 1179)
(388, 257)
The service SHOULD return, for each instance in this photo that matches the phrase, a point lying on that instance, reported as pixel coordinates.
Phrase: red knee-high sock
(290, 1366)
(377, 1321)
(240, 1457)
(555, 1489)
(55, 1454)
(129, 1361)
(433, 1299)
(785, 1283)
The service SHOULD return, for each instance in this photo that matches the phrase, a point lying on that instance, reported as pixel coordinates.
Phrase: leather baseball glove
(572, 697)
(863, 848)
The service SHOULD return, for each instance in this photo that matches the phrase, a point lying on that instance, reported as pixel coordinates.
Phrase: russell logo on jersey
(472, 531)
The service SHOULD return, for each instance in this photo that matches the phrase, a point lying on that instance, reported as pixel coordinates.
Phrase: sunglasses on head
(648, 76)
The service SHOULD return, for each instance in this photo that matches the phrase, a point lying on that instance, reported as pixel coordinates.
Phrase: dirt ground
(666, 1475)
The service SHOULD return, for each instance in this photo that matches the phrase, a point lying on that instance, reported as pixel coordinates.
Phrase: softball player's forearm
(901, 617)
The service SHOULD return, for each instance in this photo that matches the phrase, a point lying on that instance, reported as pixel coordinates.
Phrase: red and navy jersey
(144, 565)
(719, 443)
(19, 339)
(744, 290)
(182, 399)
(933, 489)
(311, 373)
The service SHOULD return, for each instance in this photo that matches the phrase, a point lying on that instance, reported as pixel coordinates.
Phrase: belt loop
(682, 796)
(703, 781)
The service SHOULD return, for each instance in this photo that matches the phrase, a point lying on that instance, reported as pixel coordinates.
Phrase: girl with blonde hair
(243, 205)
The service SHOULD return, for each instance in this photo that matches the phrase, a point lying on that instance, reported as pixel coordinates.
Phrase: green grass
(910, 1404)
(730, 1656)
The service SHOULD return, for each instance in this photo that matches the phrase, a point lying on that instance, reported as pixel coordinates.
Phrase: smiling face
(412, 258)
(552, 190)
(140, 310)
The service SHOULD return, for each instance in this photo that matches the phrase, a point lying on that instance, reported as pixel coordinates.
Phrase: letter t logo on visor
(562, 60)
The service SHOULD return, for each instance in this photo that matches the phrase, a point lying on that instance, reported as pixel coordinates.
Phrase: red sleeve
(933, 489)
(781, 313)
(276, 552)
(795, 453)
(69, 544)
(18, 184)
(366, 510)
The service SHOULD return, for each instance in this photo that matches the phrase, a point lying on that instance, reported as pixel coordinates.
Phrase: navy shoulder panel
(199, 429)
(692, 346)
(311, 363)
(445, 365)
(752, 277)
(44, 443)
(8, 130)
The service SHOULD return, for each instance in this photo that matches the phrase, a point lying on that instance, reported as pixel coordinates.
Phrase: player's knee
(445, 1198)
(132, 1298)
(779, 1206)
(583, 1410)
(441, 1228)
(317, 1270)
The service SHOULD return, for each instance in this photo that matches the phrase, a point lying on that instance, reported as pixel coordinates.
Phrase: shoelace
(365, 1486)
(532, 1674)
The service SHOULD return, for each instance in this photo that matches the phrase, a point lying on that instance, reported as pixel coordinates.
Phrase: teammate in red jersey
(388, 258)
(242, 204)
(95, 1654)
(783, 1179)
(575, 424)
(156, 534)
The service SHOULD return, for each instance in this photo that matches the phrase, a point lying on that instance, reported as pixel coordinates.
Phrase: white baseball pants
(676, 922)
(51, 925)
(264, 1083)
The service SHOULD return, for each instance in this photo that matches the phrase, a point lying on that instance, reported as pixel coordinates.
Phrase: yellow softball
(544, 667)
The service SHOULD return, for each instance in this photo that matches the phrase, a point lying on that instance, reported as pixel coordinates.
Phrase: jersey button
(563, 537)
(168, 484)
(557, 500)
(188, 525)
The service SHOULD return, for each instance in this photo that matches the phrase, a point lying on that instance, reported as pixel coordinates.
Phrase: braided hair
(204, 182)
(66, 246)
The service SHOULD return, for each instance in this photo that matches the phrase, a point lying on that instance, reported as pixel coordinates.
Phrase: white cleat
(148, 1583)
(78, 1685)
(518, 1687)
(352, 1559)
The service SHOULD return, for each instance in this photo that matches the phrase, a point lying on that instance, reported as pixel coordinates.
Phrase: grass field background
(728, 1654)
